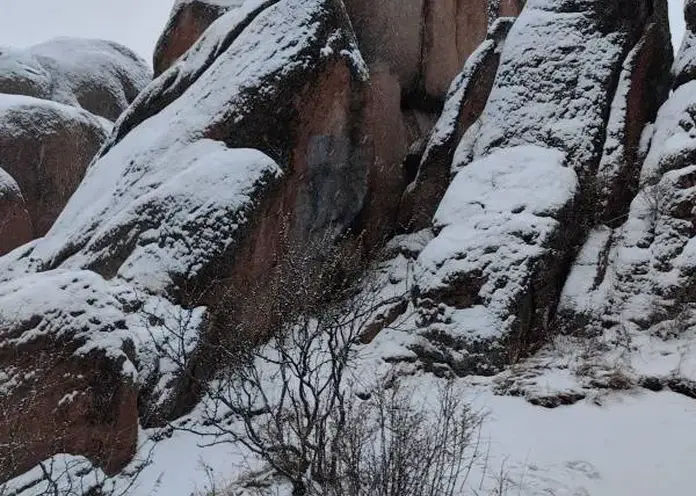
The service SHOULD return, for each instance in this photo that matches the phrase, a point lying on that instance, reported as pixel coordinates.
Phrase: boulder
(489, 280)
(15, 223)
(61, 390)
(46, 147)
(236, 146)
(99, 76)
(187, 22)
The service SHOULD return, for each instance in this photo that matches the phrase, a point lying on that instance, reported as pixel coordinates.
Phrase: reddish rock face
(46, 148)
(61, 391)
(15, 223)
(642, 89)
(68, 405)
(453, 30)
(389, 35)
(470, 92)
(186, 24)
(423, 42)
(510, 8)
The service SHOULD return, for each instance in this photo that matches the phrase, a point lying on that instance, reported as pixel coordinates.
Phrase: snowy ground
(636, 443)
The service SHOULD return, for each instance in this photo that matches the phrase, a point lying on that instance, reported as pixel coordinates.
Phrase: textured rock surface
(490, 277)
(465, 102)
(641, 273)
(544, 199)
(60, 391)
(424, 43)
(174, 201)
(556, 88)
(46, 147)
(187, 22)
(15, 223)
(101, 77)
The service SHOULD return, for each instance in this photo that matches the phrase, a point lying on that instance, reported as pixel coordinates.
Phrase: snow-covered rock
(644, 273)
(465, 101)
(489, 278)
(643, 86)
(684, 69)
(66, 380)
(491, 281)
(557, 76)
(177, 201)
(46, 147)
(99, 76)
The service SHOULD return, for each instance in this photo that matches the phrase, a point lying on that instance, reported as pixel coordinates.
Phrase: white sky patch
(676, 21)
(134, 23)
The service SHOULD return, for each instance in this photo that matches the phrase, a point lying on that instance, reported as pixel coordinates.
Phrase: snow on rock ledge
(489, 277)
(99, 76)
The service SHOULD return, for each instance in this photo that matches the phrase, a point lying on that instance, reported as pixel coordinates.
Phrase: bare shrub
(64, 475)
(284, 387)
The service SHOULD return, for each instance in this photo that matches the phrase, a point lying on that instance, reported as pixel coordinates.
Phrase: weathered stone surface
(187, 22)
(453, 30)
(492, 277)
(389, 33)
(562, 102)
(99, 76)
(642, 272)
(15, 223)
(465, 102)
(60, 390)
(46, 147)
(424, 43)
(643, 86)
(177, 199)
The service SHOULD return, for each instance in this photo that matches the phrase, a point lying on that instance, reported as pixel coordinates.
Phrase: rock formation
(56, 101)
(101, 77)
(519, 178)
(187, 22)
(492, 280)
(46, 147)
(15, 223)
(175, 201)
(640, 273)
